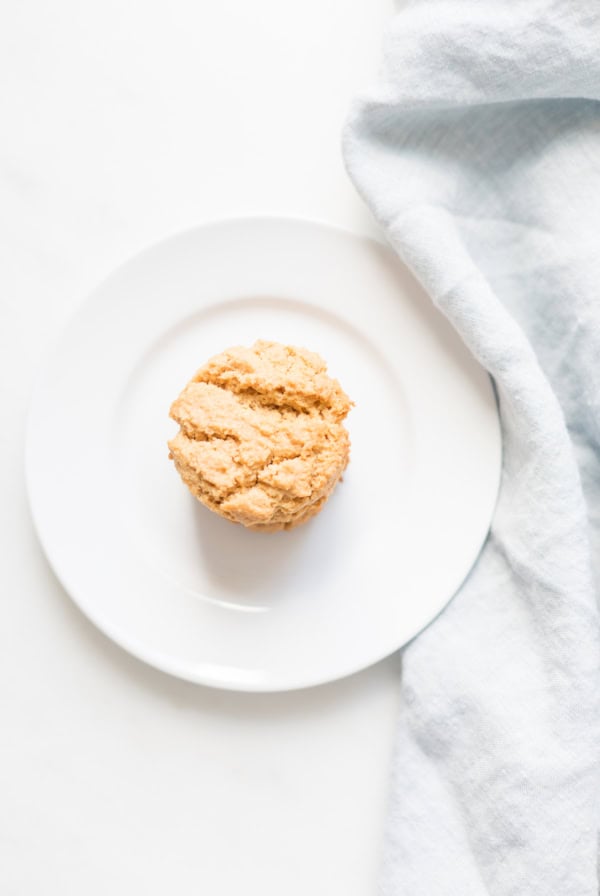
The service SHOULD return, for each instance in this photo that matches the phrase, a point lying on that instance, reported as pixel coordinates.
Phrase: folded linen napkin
(479, 153)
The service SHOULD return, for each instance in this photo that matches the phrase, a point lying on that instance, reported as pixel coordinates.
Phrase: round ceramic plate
(207, 600)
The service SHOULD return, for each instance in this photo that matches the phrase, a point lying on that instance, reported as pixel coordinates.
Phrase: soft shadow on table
(194, 697)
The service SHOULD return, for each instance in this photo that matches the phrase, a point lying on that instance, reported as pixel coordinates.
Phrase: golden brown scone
(261, 438)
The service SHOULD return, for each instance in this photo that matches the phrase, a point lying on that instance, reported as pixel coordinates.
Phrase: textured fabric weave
(479, 154)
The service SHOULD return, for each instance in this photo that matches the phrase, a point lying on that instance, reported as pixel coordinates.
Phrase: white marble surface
(120, 123)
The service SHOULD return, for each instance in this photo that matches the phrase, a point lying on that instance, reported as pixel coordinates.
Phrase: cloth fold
(479, 154)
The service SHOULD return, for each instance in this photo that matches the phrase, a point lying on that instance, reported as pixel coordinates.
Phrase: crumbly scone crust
(261, 438)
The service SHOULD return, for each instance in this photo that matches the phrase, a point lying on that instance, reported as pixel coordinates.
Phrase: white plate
(207, 600)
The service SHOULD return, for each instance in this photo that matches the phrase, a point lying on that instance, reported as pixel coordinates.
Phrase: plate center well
(220, 562)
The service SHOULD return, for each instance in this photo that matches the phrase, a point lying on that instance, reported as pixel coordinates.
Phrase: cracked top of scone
(261, 438)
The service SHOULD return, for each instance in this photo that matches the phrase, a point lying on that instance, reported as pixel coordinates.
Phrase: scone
(261, 439)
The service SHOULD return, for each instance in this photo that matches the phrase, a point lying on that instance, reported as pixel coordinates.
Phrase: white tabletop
(121, 123)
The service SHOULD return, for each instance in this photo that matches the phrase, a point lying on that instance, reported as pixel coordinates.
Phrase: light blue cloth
(479, 153)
